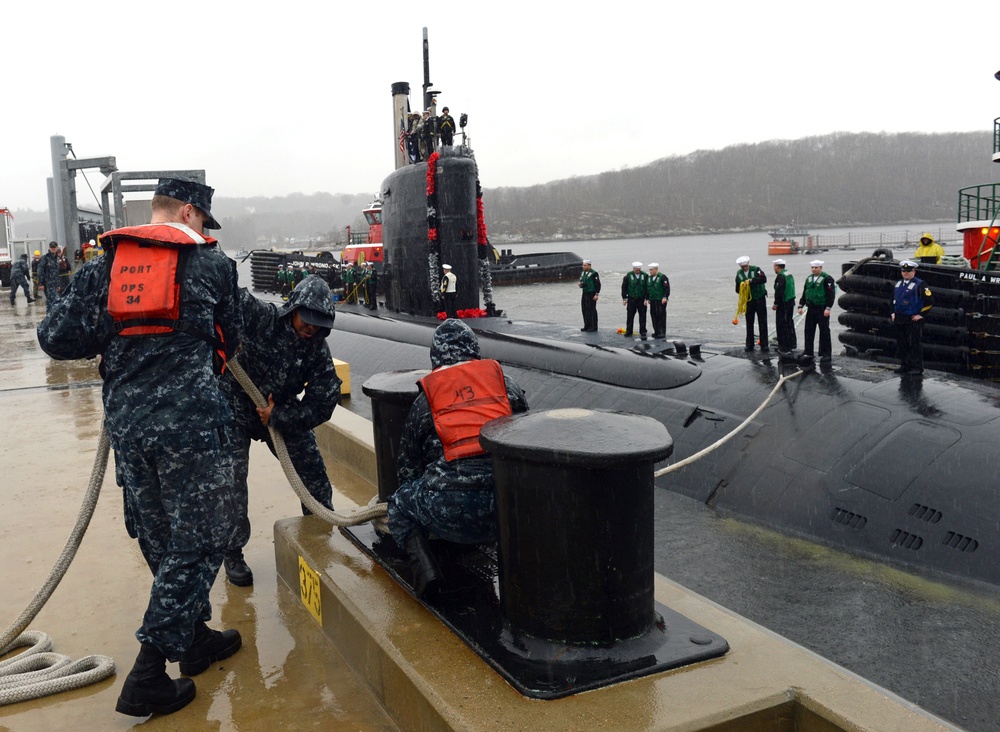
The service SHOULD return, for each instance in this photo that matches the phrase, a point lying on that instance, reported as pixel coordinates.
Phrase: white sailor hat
(636, 264)
(654, 265)
(779, 261)
(445, 266)
(743, 260)
(908, 264)
(586, 261)
(816, 263)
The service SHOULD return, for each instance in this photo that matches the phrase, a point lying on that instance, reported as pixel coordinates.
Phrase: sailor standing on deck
(784, 307)
(912, 298)
(449, 290)
(635, 298)
(590, 286)
(818, 294)
(929, 251)
(657, 293)
(166, 420)
(756, 300)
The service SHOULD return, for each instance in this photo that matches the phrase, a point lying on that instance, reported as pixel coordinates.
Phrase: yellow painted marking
(309, 591)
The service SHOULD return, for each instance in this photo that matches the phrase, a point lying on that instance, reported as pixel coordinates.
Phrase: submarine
(849, 455)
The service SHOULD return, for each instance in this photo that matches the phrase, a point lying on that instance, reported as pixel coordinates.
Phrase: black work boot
(148, 689)
(427, 577)
(208, 647)
(237, 571)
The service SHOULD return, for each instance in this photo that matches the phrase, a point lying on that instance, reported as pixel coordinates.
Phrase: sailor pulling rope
(360, 516)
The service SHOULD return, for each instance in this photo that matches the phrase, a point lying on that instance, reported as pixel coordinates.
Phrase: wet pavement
(286, 675)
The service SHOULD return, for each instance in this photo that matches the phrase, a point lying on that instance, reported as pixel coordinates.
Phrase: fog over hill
(843, 179)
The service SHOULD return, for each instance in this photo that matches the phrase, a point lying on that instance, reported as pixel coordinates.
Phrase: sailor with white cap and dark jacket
(449, 291)
(911, 299)
(784, 306)
(657, 294)
(756, 300)
(590, 291)
(635, 297)
(817, 297)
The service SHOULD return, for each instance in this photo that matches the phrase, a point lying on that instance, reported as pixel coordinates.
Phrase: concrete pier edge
(427, 679)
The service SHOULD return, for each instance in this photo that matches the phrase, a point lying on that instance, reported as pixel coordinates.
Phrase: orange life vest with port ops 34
(144, 297)
(463, 397)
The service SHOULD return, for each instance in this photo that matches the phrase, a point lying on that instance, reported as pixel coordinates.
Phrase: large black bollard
(574, 498)
(392, 394)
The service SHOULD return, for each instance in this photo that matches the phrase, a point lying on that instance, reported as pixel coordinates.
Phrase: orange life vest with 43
(144, 297)
(463, 397)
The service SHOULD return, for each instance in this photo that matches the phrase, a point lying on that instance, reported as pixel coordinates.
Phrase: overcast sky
(293, 96)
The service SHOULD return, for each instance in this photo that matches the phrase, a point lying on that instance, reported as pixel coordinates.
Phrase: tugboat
(366, 247)
(962, 331)
(791, 240)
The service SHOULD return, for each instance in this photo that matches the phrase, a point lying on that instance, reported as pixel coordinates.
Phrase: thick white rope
(719, 443)
(36, 672)
(360, 516)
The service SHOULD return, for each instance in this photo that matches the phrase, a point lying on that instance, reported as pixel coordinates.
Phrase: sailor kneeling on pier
(445, 477)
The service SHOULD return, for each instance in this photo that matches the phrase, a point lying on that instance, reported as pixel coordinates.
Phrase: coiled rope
(360, 516)
(37, 672)
(719, 443)
(743, 299)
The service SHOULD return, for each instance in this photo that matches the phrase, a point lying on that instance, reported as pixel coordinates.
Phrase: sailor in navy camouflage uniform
(48, 275)
(452, 500)
(167, 421)
(19, 274)
(284, 352)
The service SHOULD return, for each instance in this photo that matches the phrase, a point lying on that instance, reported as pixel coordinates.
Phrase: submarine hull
(852, 457)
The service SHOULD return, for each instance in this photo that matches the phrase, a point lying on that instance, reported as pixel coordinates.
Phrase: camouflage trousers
(464, 517)
(179, 504)
(306, 459)
(21, 282)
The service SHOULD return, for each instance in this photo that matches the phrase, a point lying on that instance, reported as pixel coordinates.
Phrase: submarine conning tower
(431, 214)
(414, 249)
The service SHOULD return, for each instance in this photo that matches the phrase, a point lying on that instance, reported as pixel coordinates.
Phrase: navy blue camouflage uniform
(48, 277)
(167, 421)
(452, 500)
(282, 364)
(19, 274)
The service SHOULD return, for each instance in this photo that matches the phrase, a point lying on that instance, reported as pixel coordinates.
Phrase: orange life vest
(144, 297)
(463, 397)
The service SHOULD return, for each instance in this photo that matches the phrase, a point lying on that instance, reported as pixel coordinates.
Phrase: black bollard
(392, 394)
(574, 499)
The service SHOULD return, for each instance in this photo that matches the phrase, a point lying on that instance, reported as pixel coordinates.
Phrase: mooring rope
(719, 443)
(360, 516)
(37, 672)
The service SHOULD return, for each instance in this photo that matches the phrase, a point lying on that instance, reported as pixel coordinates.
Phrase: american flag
(402, 136)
